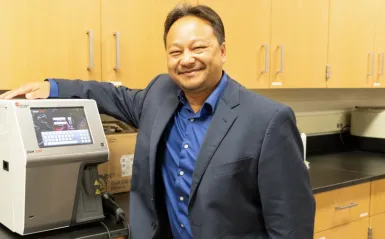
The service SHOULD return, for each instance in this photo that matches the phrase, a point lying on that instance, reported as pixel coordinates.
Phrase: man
(212, 160)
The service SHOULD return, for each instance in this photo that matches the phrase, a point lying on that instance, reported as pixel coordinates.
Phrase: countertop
(86, 231)
(337, 170)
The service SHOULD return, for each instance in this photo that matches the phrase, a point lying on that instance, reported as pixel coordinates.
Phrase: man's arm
(121, 102)
(286, 195)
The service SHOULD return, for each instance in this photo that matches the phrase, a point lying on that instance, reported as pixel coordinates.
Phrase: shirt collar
(214, 97)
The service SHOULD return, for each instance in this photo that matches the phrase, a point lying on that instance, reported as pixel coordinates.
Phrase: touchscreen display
(61, 126)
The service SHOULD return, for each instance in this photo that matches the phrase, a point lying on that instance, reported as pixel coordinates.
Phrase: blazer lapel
(221, 122)
(163, 116)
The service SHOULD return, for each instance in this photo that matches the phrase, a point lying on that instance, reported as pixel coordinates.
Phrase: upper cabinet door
(379, 47)
(132, 40)
(299, 42)
(351, 43)
(45, 38)
(247, 30)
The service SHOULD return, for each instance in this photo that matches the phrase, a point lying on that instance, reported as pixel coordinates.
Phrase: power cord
(124, 220)
(342, 131)
(111, 207)
(108, 231)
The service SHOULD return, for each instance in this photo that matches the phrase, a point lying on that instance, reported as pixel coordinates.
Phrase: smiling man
(213, 159)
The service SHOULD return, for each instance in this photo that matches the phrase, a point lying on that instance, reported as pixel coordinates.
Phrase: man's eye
(174, 53)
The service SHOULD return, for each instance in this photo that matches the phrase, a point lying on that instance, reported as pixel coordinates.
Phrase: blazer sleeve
(286, 195)
(120, 102)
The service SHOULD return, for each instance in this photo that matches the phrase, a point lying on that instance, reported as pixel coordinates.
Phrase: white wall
(321, 111)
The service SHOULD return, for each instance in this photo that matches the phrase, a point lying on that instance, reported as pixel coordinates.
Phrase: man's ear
(223, 52)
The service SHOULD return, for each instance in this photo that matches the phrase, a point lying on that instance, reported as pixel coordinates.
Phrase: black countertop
(337, 170)
(86, 231)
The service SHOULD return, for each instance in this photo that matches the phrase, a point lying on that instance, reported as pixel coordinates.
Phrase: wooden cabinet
(299, 40)
(275, 43)
(312, 44)
(247, 30)
(377, 228)
(377, 198)
(354, 230)
(351, 212)
(47, 38)
(351, 48)
(132, 40)
(379, 47)
(270, 43)
(377, 209)
(341, 206)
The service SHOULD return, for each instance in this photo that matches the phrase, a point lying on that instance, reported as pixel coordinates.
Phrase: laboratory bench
(349, 188)
(337, 170)
(348, 185)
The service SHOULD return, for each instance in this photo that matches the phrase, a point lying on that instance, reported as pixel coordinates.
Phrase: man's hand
(31, 91)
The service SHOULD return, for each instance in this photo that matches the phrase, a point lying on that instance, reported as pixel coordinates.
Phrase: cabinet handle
(91, 37)
(266, 46)
(382, 55)
(282, 58)
(371, 56)
(347, 206)
(117, 36)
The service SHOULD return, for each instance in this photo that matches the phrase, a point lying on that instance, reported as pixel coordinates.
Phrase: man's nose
(187, 58)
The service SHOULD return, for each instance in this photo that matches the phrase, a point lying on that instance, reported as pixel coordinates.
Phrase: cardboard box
(115, 175)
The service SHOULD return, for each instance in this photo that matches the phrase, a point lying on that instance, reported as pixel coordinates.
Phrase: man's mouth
(190, 72)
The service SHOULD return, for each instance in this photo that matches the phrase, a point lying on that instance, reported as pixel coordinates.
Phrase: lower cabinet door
(353, 230)
(377, 224)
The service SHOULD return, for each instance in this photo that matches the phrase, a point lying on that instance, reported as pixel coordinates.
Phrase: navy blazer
(249, 181)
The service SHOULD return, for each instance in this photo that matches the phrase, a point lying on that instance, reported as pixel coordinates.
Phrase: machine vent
(5, 165)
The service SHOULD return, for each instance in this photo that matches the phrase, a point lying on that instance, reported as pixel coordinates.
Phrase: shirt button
(181, 173)
(186, 146)
(192, 120)
(181, 225)
(181, 198)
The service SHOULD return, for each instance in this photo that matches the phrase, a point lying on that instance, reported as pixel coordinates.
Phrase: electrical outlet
(340, 125)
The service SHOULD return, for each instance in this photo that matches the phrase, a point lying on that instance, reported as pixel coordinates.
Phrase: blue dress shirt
(183, 137)
(53, 89)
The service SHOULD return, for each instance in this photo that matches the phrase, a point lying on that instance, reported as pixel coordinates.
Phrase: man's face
(194, 56)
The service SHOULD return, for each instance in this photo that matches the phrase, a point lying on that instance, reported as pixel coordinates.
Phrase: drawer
(377, 198)
(341, 206)
(353, 230)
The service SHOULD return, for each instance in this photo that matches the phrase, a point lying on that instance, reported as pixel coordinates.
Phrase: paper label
(364, 214)
(126, 163)
(377, 84)
(276, 83)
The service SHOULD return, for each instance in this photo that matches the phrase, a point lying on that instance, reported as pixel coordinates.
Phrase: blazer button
(154, 225)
